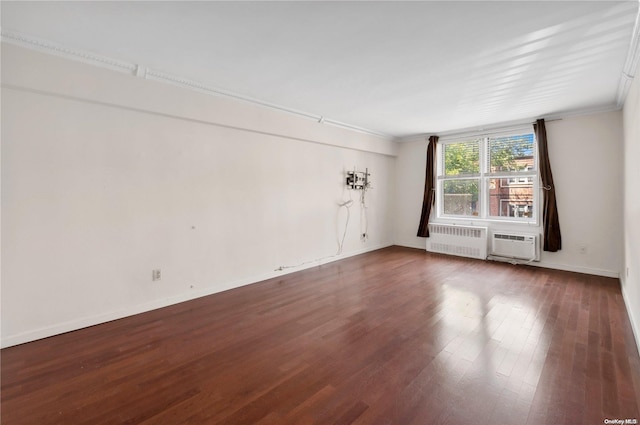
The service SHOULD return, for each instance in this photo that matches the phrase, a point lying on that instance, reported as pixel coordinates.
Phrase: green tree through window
(504, 152)
(467, 165)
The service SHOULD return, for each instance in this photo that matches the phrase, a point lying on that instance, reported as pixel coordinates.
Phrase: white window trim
(485, 177)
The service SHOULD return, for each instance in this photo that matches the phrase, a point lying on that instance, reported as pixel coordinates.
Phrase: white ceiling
(400, 68)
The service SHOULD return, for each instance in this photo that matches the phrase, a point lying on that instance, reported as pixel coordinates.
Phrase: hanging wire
(347, 205)
(364, 221)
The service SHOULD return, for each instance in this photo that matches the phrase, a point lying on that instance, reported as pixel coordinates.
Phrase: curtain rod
(492, 129)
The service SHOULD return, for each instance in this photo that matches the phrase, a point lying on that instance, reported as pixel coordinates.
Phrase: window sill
(484, 222)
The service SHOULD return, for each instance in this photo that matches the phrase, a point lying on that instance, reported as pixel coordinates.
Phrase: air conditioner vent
(515, 245)
(510, 237)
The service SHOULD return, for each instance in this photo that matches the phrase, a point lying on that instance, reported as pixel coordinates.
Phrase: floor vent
(464, 241)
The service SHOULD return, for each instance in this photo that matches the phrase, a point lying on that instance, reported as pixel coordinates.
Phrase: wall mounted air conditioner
(520, 246)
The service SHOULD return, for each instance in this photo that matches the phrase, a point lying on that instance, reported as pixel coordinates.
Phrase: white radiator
(515, 245)
(465, 241)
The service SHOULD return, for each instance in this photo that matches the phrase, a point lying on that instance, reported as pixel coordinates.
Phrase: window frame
(485, 176)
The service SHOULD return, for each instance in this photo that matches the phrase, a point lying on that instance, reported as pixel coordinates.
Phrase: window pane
(460, 197)
(513, 153)
(461, 158)
(511, 197)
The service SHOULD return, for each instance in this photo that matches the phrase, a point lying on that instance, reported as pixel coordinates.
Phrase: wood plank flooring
(396, 336)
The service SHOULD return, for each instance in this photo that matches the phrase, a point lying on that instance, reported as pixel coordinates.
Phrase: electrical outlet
(155, 274)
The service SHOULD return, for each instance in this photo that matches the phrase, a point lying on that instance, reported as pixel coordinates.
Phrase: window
(489, 177)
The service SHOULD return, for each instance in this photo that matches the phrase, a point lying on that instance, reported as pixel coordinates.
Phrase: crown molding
(46, 46)
(203, 88)
(631, 63)
(423, 137)
(175, 80)
(556, 116)
(140, 71)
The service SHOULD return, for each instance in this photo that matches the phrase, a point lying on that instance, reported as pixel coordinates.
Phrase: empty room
(320, 212)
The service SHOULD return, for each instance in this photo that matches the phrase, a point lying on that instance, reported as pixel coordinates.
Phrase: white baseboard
(72, 325)
(576, 269)
(412, 245)
(630, 313)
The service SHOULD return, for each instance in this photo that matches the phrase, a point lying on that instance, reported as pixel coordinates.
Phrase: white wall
(585, 154)
(106, 176)
(631, 281)
(410, 177)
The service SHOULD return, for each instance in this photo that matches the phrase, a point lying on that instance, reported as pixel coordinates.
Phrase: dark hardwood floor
(396, 336)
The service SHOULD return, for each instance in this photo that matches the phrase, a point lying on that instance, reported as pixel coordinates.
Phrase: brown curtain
(552, 237)
(429, 188)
